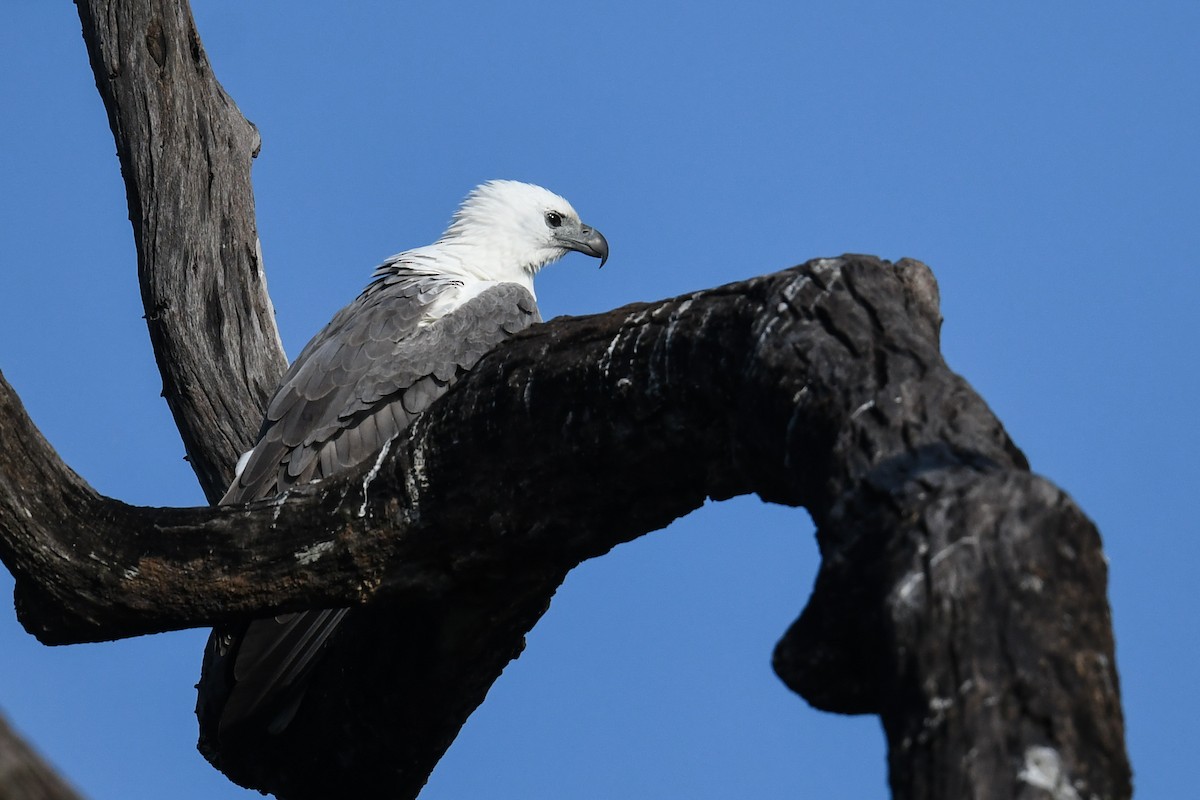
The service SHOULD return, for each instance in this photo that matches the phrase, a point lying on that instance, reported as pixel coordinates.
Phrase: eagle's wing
(381, 360)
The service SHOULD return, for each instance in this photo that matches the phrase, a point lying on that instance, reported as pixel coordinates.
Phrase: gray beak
(588, 241)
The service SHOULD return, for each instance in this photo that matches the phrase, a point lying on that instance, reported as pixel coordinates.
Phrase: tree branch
(185, 153)
(820, 386)
(91, 568)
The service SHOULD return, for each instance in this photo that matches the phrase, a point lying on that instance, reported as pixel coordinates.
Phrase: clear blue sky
(1041, 157)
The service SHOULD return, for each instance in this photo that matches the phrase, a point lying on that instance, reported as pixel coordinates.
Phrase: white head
(505, 227)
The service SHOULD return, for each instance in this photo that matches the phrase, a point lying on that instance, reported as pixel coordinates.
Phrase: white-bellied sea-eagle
(427, 317)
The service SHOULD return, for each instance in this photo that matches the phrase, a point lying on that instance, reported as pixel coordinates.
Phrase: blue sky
(1041, 157)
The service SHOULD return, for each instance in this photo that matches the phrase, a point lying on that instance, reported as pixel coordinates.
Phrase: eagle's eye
(553, 219)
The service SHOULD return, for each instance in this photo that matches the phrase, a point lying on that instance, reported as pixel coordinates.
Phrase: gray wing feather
(274, 664)
(357, 384)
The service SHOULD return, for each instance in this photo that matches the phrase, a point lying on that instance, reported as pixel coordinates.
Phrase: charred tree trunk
(960, 597)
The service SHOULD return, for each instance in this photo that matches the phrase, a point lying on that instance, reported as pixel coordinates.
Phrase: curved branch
(700, 371)
(820, 386)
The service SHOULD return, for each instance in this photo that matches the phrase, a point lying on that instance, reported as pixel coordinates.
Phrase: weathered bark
(185, 153)
(960, 597)
(23, 773)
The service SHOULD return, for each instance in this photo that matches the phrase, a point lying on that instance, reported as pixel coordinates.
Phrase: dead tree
(960, 597)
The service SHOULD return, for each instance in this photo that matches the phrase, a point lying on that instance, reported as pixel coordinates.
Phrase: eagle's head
(518, 227)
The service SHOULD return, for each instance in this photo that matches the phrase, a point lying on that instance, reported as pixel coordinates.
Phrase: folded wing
(378, 363)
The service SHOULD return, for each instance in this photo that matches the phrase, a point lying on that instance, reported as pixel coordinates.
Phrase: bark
(185, 153)
(23, 773)
(960, 597)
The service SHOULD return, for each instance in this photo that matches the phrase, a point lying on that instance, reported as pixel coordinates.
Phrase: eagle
(425, 319)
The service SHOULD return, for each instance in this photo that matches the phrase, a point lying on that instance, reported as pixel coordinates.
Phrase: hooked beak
(588, 241)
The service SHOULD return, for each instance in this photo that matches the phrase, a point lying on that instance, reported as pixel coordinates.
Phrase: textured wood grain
(185, 153)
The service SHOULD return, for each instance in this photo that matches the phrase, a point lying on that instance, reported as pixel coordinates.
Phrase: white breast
(454, 298)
